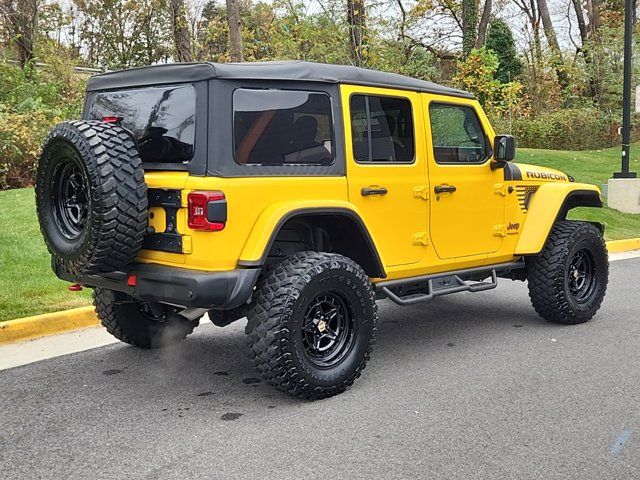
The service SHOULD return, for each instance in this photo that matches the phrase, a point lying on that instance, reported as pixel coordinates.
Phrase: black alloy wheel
(70, 197)
(581, 278)
(327, 329)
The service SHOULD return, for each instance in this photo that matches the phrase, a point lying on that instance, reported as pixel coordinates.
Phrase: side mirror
(504, 147)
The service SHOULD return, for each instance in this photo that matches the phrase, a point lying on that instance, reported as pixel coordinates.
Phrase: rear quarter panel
(248, 199)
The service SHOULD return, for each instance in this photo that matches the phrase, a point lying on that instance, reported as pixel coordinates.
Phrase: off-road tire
(275, 322)
(106, 158)
(548, 273)
(123, 318)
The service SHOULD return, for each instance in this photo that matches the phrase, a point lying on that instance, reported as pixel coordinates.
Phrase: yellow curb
(623, 245)
(47, 324)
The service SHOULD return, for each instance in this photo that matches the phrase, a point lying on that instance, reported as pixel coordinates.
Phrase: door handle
(368, 191)
(444, 189)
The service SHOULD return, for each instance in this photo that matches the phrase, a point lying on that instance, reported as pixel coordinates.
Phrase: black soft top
(287, 70)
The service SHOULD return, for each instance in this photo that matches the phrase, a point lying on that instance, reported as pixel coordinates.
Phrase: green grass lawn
(28, 287)
(27, 284)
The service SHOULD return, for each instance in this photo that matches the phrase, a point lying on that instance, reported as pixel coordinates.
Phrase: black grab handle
(444, 189)
(368, 191)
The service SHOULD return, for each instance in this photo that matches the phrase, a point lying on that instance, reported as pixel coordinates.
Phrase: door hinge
(421, 191)
(502, 189)
(420, 238)
(500, 230)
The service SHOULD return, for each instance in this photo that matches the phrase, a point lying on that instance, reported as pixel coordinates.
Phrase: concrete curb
(57, 322)
(48, 324)
(627, 245)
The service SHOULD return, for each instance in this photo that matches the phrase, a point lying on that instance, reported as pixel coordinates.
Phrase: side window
(457, 134)
(381, 129)
(282, 127)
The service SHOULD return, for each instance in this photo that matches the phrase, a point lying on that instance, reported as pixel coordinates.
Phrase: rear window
(162, 119)
(282, 127)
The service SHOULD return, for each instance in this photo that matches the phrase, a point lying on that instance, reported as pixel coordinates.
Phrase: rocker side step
(425, 288)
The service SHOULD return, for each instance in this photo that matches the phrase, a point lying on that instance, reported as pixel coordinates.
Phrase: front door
(386, 169)
(467, 212)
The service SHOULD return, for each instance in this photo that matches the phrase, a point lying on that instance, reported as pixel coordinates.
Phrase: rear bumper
(178, 286)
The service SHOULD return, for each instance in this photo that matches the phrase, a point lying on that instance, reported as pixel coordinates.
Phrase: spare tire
(91, 197)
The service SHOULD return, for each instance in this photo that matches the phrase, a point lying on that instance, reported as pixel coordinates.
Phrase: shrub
(476, 74)
(21, 135)
(568, 129)
(31, 102)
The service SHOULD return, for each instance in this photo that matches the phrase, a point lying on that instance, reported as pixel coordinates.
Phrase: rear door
(467, 211)
(386, 169)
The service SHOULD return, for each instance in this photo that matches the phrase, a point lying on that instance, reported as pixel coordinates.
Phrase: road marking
(621, 441)
(615, 256)
(30, 351)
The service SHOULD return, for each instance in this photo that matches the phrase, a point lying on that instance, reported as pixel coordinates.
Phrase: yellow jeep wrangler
(297, 195)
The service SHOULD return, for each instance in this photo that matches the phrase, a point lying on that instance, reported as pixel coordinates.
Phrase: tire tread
(119, 195)
(545, 274)
(135, 329)
(268, 338)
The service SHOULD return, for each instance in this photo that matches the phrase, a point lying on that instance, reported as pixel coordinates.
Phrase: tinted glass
(382, 129)
(161, 118)
(282, 127)
(457, 134)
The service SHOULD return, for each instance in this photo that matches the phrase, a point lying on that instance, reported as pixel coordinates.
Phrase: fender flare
(271, 221)
(549, 198)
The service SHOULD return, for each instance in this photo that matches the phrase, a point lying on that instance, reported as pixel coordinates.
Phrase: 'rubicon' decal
(547, 176)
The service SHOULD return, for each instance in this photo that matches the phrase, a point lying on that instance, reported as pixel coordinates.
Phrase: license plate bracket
(169, 240)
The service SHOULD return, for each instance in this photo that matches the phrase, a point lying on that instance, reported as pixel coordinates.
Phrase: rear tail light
(207, 211)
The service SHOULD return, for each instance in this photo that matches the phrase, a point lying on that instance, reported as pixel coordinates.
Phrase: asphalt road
(470, 386)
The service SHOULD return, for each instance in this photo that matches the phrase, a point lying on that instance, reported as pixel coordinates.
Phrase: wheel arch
(346, 231)
(554, 197)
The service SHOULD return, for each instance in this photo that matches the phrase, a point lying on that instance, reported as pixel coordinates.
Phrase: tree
(552, 40)
(593, 12)
(235, 30)
(469, 25)
(484, 23)
(181, 34)
(582, 24)
(476, 73)
(20, 19)
(500, 41)
(356, 19)
(117, 34)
